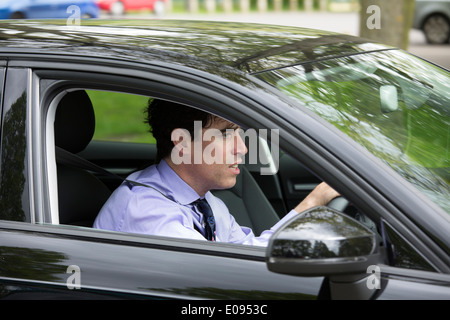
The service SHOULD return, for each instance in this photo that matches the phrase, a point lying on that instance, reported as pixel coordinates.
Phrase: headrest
(74, 121)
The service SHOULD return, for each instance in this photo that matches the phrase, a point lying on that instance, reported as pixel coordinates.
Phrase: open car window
(112, 134)
(131, 147)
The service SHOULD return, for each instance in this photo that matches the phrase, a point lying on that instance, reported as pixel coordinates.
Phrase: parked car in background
(44, 9)
(433, 18)
(120, 7)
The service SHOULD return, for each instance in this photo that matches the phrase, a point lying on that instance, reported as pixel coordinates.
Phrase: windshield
(390, 102)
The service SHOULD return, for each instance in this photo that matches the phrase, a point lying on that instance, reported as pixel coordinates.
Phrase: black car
(370, 120)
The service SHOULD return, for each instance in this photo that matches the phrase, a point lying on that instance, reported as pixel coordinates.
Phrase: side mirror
(322, 242)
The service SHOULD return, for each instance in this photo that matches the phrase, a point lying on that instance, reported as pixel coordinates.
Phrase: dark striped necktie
(210, 223)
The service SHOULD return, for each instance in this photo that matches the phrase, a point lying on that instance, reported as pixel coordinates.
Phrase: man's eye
(228, 134)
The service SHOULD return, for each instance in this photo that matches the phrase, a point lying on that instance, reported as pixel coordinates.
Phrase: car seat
(80, 194)
(248, 204)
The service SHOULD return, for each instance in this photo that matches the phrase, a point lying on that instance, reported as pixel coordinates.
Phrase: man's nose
(240, 148)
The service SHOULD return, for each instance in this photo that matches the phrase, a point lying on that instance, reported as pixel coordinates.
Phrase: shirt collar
(178, 189)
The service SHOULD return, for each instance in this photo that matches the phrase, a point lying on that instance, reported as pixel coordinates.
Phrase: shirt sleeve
(245, 235)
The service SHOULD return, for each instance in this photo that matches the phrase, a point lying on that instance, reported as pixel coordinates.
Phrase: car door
(61, 262)
(45, 259)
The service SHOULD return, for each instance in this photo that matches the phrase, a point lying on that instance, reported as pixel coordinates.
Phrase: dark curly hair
(165, 116)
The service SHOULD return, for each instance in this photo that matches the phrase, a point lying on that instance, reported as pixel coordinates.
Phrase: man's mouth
(235, 168)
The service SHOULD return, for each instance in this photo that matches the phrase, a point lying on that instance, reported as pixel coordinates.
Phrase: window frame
(184, 89)
(52, 84)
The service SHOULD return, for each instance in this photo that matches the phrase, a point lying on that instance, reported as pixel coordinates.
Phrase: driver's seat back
(248, 204)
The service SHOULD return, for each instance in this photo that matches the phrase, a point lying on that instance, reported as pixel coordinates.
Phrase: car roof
(248, 47)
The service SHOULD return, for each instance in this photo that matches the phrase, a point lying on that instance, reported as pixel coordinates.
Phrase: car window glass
(14, 198)
(404, 256)
(397, 110)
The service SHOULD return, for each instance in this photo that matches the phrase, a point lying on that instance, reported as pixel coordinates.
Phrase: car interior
(256, 201)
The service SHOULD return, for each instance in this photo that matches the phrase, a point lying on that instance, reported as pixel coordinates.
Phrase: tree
(386, 21)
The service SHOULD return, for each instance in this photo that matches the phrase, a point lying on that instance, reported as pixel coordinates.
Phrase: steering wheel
(339, 204)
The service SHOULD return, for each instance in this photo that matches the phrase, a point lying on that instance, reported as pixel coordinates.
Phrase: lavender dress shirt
(167, 210)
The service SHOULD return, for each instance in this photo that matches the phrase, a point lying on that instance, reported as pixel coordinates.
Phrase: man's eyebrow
(231, 126)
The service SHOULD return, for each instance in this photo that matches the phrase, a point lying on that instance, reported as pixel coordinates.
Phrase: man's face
(214, 155)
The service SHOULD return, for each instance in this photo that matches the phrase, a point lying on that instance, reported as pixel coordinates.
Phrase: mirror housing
(322, 242)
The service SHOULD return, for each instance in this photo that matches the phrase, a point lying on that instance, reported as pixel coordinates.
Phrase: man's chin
(228, 185)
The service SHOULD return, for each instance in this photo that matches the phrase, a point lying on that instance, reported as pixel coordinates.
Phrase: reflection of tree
(196, 44)
(35, 264)
(315, 249)
(217, 293)
(310, 48)
(321, 234)
(355, 247)
(13, 162)
(32, 264)
(345, 91)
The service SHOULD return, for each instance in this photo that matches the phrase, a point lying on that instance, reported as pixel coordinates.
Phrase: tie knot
(204, 207)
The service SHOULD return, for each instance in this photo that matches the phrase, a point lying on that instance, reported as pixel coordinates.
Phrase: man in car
(165, 199)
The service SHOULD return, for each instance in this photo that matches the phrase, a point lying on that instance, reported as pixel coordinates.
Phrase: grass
(120, 117)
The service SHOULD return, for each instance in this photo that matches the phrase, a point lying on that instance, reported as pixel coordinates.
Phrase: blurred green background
(120, 117)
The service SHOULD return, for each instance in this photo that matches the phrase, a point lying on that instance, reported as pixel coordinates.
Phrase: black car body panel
(139, 272)
(185, 43)
(209, 66)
